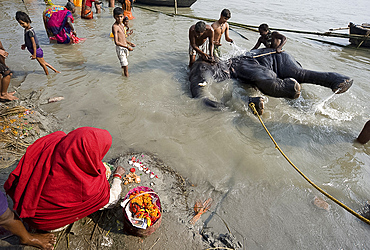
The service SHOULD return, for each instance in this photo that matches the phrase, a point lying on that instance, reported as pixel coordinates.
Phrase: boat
(170, 3)
(363, 29)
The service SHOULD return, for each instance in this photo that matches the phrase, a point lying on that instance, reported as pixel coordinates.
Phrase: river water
(227, 154)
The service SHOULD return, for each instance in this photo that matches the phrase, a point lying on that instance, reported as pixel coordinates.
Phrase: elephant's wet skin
(201, 73)
(285, 66)
(250, 71)
(274, 74)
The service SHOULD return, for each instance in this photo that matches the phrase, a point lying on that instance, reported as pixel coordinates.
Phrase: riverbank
(105, 229)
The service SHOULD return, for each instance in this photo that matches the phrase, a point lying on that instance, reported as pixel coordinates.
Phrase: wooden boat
(364, 30)
(171, 3)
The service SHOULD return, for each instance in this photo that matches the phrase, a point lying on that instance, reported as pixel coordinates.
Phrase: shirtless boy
(270, 39)
(199, 34)
(221, 26)
(5, 75)
(122, 45)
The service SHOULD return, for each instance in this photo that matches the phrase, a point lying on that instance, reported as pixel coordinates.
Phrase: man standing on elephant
(201, 42)
(221, 26)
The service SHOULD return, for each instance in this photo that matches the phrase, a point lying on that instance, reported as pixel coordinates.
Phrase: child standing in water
(127, 28)
(31, 42)
(122, 45)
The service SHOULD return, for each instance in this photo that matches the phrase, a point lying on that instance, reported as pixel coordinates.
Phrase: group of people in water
(204, 43)
(61, 178)
(58, 22)
(205, 40)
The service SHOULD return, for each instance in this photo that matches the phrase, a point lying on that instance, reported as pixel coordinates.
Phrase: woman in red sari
(61, 178)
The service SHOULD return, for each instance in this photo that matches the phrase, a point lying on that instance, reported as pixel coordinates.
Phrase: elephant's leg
(258, 104)
(338, 83)
(287, 66)
(266, 80)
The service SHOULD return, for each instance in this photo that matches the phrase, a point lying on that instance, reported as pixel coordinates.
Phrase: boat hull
(359, 30)
(170, 3)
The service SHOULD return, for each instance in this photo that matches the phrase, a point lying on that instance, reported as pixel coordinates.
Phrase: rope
(252, 106)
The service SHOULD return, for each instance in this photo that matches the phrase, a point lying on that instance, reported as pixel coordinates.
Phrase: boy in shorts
(220, 27)
(122, 45)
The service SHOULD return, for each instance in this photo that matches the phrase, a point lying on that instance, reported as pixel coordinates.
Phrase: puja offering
(141, 167)
(130, 178)
(142, 211)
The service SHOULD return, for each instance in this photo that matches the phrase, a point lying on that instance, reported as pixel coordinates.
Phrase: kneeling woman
(61, 179)
(58, 23)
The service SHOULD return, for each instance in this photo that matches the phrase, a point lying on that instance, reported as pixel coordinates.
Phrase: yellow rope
(252, 106)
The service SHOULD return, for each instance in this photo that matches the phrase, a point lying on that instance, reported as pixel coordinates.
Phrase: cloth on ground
(61, 178)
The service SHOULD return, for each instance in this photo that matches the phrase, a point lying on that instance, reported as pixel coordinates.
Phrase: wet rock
(320, 203)
(223, 240)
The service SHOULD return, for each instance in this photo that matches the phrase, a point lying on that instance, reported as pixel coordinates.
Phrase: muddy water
(265, 202)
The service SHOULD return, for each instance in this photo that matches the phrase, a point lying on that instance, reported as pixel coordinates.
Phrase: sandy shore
(104, 229)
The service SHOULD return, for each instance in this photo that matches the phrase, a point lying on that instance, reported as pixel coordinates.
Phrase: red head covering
(61, 178)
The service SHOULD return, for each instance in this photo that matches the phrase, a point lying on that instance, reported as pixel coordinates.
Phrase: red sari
(61, 178)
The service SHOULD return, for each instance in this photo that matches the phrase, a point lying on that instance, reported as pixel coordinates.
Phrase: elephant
(274, 74)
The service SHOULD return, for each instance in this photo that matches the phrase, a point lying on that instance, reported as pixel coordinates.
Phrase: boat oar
(344, 28)
(246, 38)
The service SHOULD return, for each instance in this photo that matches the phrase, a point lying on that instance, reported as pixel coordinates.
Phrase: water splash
(320, 106)
(235, 51)
(324, 109)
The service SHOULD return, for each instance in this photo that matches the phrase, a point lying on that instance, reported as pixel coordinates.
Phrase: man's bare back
(199, 39)
(198, 35)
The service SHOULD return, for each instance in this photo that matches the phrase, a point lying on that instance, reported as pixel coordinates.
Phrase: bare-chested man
(270, 39)
(221, 26)
(201, 42)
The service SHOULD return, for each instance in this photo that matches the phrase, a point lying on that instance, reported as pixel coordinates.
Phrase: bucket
(77, 3)
(128, 226)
